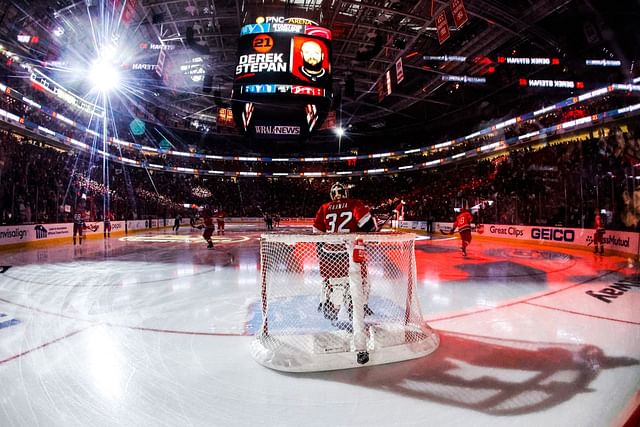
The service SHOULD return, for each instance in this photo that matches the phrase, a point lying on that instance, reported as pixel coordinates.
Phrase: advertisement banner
(13, 234)
(620, 241)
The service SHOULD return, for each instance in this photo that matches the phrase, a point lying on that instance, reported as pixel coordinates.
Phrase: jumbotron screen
(282, 83)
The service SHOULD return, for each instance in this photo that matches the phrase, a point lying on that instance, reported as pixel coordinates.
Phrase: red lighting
(501, 60)
(411, 55)
(555, 61)
(35, 39)
(482, 60)
(491, 70)
(522, 82)
(580, 85)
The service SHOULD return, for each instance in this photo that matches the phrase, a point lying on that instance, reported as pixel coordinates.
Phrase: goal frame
(362, 348)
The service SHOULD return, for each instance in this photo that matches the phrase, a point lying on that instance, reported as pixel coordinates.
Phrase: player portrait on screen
(311, 60)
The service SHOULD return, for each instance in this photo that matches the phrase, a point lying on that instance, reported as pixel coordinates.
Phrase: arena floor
(153, 330)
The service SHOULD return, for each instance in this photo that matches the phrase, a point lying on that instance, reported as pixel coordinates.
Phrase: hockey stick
(446, 233)
(380, 226)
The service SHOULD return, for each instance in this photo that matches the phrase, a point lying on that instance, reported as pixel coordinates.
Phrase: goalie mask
(338, 191)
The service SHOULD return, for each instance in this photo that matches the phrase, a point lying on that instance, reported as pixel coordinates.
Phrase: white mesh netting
(321, 310)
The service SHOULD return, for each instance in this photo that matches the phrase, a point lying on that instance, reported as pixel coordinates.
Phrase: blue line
(9, 323)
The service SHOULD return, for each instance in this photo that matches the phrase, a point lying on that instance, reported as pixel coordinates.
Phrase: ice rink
(153, 329)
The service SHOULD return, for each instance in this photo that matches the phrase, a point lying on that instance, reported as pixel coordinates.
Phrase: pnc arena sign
(283, 20)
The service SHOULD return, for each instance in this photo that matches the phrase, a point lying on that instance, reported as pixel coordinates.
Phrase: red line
(582, 314)
(172, 331)
(43, 345)
(140, 328)
(39, 310)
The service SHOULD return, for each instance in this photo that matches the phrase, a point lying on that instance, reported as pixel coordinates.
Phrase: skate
(329, 310)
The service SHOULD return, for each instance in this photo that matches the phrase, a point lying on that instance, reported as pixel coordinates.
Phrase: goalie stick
(384, 222)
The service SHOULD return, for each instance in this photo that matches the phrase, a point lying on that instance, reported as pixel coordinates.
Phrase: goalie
(341, 215)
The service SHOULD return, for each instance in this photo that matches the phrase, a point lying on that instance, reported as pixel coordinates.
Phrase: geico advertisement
(622, 241)
(617, 240)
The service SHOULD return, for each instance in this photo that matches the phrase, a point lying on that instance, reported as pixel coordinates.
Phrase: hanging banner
(459, 13)
(381, 90)
(443, 27)
(399, 71)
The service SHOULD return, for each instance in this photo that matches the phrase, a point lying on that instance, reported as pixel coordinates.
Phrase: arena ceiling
(368, 38)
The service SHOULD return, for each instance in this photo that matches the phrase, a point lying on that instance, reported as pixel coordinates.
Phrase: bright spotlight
(339, 131)
(104, 76)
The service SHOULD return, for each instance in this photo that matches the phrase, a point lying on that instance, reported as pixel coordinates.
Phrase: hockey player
(598, 235)
(462, 224)
(209, 227)
(176, 223)
(220, 220)
(340, 215)
(108, 217)
(78, 224)
(399, 213)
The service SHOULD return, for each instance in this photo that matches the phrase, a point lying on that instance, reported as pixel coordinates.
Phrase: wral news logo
(41, 232)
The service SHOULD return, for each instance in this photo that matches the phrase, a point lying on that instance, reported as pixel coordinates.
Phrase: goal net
(335, 301)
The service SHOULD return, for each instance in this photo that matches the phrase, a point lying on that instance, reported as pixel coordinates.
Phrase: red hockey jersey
(463, 221)
(341, 216)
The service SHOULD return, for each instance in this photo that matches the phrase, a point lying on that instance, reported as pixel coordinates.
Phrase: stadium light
(339, 132)
(103, 73)
(104, 76)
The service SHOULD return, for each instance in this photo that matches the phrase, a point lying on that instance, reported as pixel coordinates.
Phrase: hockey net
(324, 309)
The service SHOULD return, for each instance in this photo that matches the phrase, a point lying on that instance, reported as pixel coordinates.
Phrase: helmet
(338, 191)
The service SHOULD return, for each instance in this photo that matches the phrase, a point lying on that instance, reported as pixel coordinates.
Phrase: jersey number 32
(344, 218)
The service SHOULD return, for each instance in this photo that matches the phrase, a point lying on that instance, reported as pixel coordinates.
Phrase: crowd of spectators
(558, 183)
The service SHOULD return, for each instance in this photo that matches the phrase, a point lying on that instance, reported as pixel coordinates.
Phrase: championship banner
(442, 26)
(459, 13)
(399, 71)
(126, 10)
(381, 90)
(330, 121)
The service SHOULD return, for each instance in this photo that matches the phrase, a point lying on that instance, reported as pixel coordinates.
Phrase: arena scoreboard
(282, 81)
